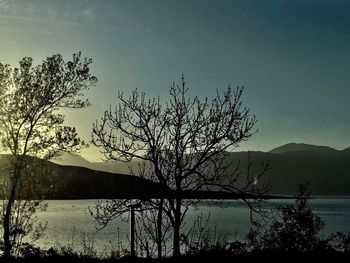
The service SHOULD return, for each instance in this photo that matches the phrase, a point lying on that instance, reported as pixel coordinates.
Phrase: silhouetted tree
(295, 228)
(31, 124)
(23, 222)
(153, 230)
(185, 141)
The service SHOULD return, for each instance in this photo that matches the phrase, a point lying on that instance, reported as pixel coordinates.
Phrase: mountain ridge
(327, 169)
(75, 159)
(295, 147)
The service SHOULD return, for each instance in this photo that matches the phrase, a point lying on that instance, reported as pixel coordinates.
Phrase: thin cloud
(88, 14)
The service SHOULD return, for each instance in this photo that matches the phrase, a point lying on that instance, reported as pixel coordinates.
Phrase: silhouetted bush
(294, 228)
(340, 242)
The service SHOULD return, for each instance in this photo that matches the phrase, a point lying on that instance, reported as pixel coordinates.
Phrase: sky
(292, 57)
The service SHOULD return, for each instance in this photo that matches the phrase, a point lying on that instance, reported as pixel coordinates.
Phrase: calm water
(68, 219)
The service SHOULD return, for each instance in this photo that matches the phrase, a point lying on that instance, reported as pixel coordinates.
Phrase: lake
(68, 219)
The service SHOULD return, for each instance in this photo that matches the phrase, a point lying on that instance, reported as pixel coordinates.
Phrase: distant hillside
(328, 174)
(301, 147)
(74, 159)
(73, 182)
(327, 170)
(347, 150)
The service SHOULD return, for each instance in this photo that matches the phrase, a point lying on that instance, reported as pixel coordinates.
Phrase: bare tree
(153, 231)
(185, 141)
(31, 123)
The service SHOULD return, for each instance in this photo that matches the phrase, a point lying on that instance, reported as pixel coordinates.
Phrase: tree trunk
(132, 232)
(7, 218)
(159, 228)
(177, 225)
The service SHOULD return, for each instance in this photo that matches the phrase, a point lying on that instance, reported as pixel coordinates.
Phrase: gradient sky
(293, 57)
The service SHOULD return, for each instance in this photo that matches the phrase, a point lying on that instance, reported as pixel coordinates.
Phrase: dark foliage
(295, 227)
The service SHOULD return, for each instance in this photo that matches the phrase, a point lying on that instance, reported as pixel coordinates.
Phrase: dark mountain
(74, 182)
(346, 151)
(328, 174)
(302, 147)
(326, 169)
(74, 159)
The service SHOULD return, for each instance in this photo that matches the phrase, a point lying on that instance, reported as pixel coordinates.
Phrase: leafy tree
(185, 141)
(31, 123)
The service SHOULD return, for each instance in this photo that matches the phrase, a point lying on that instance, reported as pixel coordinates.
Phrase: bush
(295, 228)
